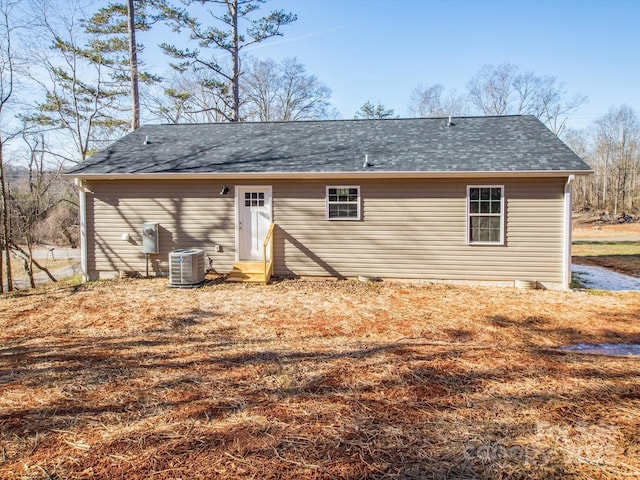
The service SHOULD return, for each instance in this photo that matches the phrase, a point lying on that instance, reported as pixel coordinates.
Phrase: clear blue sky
(380, 50)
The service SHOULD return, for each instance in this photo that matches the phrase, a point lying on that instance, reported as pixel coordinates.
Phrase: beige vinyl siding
(418, 229)
(190, 214)
(414, 229)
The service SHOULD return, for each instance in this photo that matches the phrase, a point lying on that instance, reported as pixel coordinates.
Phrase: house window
(343, 203)
(485, 207)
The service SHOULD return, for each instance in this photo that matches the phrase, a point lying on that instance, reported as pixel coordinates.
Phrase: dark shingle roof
(471, 144)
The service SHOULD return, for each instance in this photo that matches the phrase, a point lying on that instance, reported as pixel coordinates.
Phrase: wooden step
(252, 272)
(252, 266)
(244, 277)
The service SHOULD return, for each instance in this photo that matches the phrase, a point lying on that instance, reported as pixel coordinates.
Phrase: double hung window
(485, 210)
(343, 203)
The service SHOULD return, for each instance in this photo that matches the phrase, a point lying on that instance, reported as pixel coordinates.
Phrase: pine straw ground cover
(335, 380)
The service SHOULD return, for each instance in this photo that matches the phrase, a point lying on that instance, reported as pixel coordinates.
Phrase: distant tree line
(73, 79)
(611, 146)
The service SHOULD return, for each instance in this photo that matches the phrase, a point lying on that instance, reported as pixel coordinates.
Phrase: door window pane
(254, 199)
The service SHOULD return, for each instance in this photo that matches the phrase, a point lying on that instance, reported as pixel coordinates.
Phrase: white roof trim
(325, 175)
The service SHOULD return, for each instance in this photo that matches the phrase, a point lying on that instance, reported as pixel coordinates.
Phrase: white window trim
(342, 219)
(503, 207)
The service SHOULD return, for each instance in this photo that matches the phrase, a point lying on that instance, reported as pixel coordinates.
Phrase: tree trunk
(604, 182)
(3, 244)
(633, 188)
(5, 223)
(235, 55)
(69, 237)
(29, 263)
(133, 65)
(29, 271)
(616, 194)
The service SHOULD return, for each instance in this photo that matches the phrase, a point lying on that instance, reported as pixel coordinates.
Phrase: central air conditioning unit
(186, 267)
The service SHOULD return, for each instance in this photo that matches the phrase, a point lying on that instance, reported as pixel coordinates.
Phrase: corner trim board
(568, 197)
(82, 203)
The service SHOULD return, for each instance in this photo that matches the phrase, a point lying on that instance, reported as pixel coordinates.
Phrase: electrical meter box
(150, 237)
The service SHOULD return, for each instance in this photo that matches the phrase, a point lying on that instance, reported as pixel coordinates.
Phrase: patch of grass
(622, 257)
(595, 291)
(595, 249)
(320, 380)
(577, 281)
(73, 281)
(18, 272)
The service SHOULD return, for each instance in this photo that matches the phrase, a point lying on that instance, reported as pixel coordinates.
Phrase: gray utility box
(186, 267)
(150, 238)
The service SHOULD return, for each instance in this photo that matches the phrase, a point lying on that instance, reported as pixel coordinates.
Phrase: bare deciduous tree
(503, 90)
(33, 198)
(433, 101)
(611, 146)
(585, 186)
(283, 92)
(491, 90)
(8, 71)
(617, 157)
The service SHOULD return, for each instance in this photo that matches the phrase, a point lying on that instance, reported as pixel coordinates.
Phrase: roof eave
(325, 175)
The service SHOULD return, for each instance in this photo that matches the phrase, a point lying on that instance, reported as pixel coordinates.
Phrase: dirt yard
(333, 380)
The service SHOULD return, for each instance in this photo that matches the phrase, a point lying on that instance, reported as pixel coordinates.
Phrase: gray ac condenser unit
(186, 267)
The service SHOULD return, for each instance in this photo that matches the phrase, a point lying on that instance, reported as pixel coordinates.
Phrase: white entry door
(252, 221)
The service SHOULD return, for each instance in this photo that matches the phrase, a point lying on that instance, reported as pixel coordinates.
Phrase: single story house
(468, 199)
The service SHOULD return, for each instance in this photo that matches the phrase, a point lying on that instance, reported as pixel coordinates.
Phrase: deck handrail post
(268, 240)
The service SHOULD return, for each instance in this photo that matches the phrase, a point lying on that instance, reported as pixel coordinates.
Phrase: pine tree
(369, 110)
(117, 24)
(84, 96)
(225, 36)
